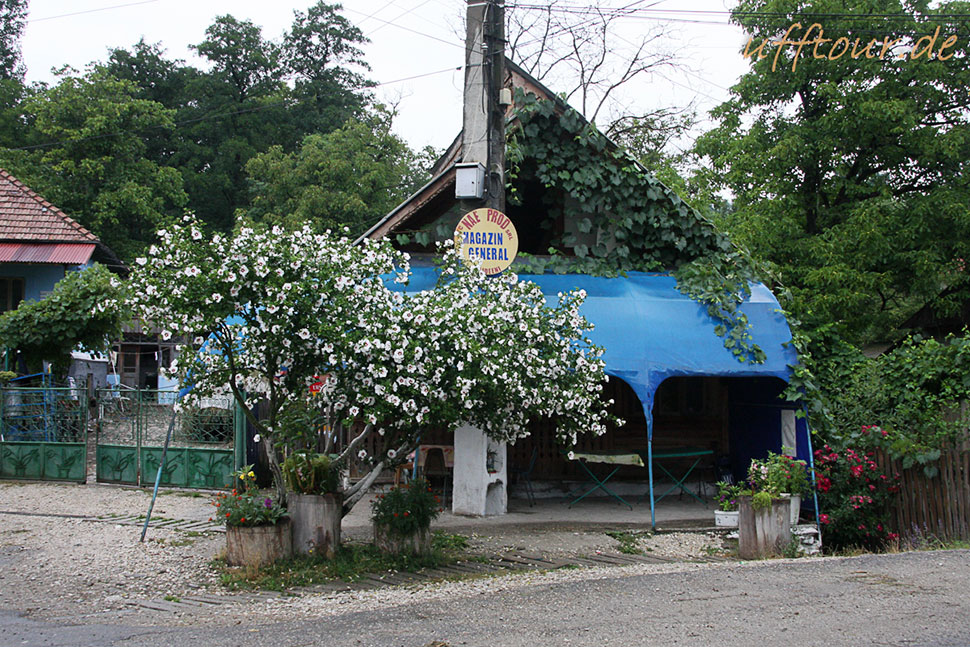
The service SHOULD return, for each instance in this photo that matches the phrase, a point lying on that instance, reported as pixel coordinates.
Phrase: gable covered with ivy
(588, 214)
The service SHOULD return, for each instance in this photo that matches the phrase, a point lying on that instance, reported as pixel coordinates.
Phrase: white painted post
(475, 492)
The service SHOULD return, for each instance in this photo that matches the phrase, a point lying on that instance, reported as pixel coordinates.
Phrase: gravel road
(59, 566)
(70, 580)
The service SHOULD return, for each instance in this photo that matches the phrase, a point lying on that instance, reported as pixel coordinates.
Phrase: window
(11, 293)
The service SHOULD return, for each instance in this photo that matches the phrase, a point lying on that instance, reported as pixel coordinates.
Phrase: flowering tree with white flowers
(272, 312)
(474, 350)
(258, 308)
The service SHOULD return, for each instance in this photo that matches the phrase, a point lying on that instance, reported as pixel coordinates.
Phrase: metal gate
(43, 433)
(131, 430)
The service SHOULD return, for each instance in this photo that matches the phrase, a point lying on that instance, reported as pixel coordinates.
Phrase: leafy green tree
(322, 54)
(247, 63)
(13, 19)
(13, 129)
(85, 310)
(92, 163)
(157, 79)
(258, 93)
(349, 177)
(849, 171)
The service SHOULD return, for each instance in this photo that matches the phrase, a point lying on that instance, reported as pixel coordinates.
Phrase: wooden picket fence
(938, 506)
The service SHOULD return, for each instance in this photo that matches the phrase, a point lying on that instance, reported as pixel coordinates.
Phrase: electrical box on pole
(483, 123)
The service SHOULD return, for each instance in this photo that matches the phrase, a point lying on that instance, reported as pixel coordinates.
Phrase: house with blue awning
(690, 406)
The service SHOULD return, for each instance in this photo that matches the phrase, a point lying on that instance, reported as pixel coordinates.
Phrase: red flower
(824, 518)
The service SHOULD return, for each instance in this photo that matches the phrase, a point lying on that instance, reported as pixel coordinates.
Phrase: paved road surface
(904, 599)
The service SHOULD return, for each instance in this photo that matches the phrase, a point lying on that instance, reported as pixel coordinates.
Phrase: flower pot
(417, 543)
(316, 523)
(763, 533)
(258, 545)
(726, 518)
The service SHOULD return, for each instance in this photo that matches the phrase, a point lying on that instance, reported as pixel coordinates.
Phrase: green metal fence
(132, 425)
(43, 433)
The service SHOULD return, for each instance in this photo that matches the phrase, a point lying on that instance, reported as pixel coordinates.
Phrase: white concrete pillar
(475, 490)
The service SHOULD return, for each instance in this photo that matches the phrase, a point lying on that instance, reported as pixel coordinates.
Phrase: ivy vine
(625, 218)
(641, 225)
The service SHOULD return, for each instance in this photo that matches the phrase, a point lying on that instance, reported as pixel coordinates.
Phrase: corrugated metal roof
(60, 253)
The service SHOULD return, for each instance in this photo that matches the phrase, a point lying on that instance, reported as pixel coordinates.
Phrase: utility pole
(475, 490)
(483, 131)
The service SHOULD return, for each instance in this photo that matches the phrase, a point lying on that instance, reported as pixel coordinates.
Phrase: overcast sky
(408, 38)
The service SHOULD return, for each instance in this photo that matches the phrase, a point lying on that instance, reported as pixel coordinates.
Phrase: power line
(413, 31)
(86, 11)
(366, 18)
(587, 10)
(398, 17)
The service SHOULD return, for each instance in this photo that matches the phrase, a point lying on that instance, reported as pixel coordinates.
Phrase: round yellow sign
(488, 236)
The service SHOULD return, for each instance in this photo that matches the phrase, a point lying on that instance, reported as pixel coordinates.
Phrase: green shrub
(761, 500)
(854, 496)
(309, 473)
(727, 495)
(407, 509)
(779, 473)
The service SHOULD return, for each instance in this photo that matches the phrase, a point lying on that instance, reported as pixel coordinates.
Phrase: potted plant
(402, 518)
(257, 528)
(726, 515)
(314, 503)
(784, 475)
(764, 516)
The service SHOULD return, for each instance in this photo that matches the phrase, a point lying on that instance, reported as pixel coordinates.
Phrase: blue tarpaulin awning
(651, 331)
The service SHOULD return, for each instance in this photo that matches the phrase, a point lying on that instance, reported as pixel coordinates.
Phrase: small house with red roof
(39, 244)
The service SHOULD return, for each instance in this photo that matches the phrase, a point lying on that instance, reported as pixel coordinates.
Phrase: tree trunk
(274, 467)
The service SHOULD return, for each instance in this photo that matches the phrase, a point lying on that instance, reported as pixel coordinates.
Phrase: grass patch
(712, 551)
(792, 549)
(351, 562)
(181, 542)
(172, 598)
(448, 541)
(627, 540)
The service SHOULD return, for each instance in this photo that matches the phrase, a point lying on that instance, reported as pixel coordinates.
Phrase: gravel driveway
(57, 560)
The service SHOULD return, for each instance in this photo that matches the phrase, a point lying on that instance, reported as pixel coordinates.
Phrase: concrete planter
(316, 523)
(416, 544)
(796, 507)
(763, 533)
(258, 545)
(726, 518)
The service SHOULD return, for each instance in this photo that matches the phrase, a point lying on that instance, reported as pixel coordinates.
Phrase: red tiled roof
(61, 253)
(24, 215)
